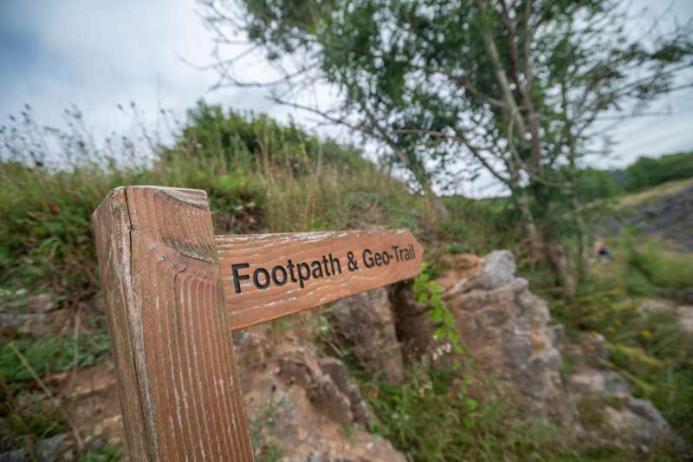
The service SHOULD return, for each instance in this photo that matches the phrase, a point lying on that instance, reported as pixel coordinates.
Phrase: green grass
(648, 348)
(265, 176)
(451, 416)
(30, 414)
(660, 267)
(50, 354)
(101, 454)
(261, 176)
(644, 197)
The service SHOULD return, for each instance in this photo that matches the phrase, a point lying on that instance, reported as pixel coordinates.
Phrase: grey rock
(669, 217)
(646, 410)
(605, 382)
(615, 384)
(34, 315)
(365, 326)
(498, 270)
(594, 345)
(46, 450)
(340, 376)
(518, 349)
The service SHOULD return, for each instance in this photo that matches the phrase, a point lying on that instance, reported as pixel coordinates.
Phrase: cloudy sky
(98, 54)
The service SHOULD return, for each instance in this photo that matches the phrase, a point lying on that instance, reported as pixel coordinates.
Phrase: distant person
(602, 250)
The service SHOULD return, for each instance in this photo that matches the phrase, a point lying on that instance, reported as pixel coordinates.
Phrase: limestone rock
(590, 380)
(508, 331)
(496, 270)
(365, 327)
(686, 318)
(301, 402)
(34, 315)
(46, 450)
(505, 328)
(683, 312)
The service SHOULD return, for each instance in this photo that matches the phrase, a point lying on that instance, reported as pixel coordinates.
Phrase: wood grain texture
(171, 342)
(254, 305)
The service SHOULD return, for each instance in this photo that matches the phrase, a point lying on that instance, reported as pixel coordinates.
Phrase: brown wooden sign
(174, 291)
(272, 275)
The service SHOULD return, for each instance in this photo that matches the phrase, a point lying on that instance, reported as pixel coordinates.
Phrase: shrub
(647, 172)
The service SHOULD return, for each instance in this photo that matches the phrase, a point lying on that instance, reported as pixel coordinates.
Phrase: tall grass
(647, 346)
(260, 175)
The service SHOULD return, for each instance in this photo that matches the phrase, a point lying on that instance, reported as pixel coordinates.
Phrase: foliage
(650, 265)
(448, 89)
(447, 416)
(248, 140)
(266, 451)
(595, 184)
(51, 353)
(428, 293)
(648, 347)
(647, 172)
(101, 454)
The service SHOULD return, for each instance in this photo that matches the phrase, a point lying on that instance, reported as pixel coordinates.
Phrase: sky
(99, 54)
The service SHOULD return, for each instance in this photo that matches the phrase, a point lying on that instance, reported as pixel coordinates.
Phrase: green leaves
(428, 293)
(53, 353)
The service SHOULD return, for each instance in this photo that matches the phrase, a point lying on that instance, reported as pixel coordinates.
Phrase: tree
(511, 87)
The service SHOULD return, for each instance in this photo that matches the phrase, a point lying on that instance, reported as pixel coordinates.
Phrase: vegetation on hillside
(260, 175)
(645, 172)
(647, 344)
(265, 176)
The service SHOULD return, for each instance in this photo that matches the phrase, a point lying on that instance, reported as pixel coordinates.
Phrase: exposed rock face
(412, 324)
(684, 313)
(46, 450)
(303, 405)
(34, 315)
(365, 327)
(669, 217)
(505, 328)
(301, 402)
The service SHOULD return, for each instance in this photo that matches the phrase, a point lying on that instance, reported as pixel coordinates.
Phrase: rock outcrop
(34, 315)
(364, 326)
(304, 406)
(507, 331)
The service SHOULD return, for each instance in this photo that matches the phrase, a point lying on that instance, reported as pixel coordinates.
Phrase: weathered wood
(249, 302)
(171, 340)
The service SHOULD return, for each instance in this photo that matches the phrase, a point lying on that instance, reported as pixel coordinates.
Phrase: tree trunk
(560, 262)
(581, 234)
(533, 237)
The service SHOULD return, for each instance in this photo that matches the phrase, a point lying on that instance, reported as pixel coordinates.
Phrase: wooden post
(166, 316)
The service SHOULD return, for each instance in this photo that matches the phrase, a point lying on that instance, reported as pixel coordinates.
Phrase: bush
(49, 354)
(648, 348)
(647, 172)
(661, 268)
(448, 416)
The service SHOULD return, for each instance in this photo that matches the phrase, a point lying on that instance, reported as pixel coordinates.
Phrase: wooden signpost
(175, 291)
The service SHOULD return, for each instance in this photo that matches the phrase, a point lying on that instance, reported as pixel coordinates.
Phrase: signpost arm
(167, 321)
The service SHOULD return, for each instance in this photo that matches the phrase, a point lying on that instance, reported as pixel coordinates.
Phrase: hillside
(477, 359)
(664, 212)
